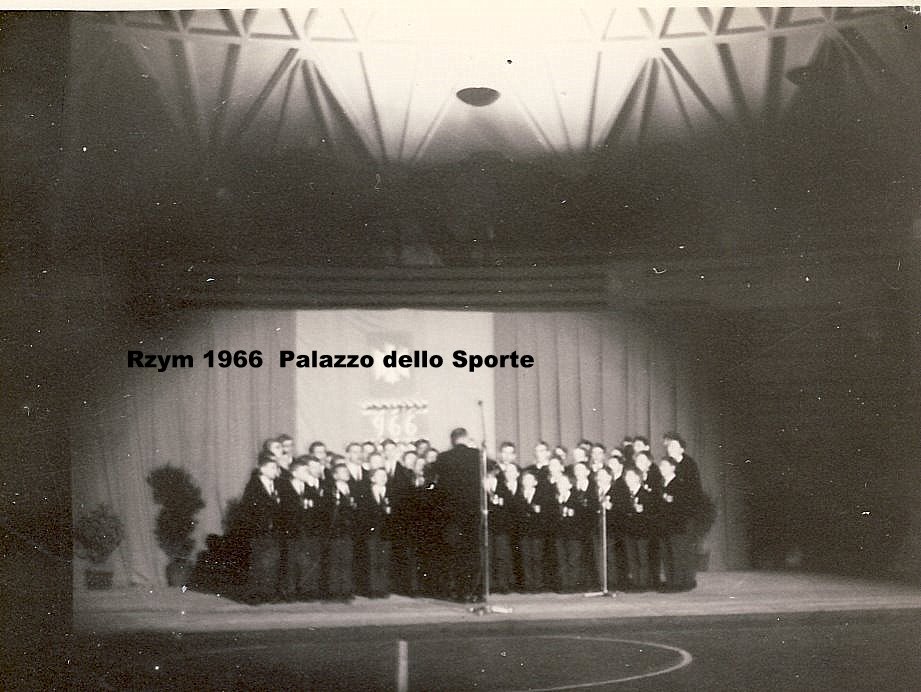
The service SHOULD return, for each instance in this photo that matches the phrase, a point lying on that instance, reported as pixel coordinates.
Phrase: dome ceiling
(570, 81)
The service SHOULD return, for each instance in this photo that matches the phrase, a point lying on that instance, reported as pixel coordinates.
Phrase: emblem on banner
(385, 374)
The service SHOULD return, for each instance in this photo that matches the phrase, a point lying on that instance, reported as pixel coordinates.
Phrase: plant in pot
(96, 536)
(180, 500)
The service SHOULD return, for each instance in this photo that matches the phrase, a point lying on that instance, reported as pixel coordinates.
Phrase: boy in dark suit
(636, 511)
(304, 521)
(652, 482)
(584, 491)
(686, 468)
(677, 544)
(342, 508)
(531, 531)
(500, 524)
(605, 493)
(262, 528)
(376, 518)
(568, 535)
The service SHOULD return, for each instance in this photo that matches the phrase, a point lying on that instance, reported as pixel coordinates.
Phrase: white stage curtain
(596, 375)
(602, 376)
(210, 421)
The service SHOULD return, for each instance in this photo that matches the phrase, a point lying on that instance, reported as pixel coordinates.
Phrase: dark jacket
(637, 524)
(689, 473)
(530, 518)
(457, 475)
(569, 518)
(499, 505)
(677, 506)
(376, 518)
(302, 514)
(261, 511)
(342, 511)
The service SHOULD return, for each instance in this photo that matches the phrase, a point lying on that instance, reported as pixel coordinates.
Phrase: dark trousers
(379, 554)
(500, 556)
(360, 568)
(340, 558)
(407, 566)
(532, 562)
(679, 560)
(569, 557)
(637, 550)
(303, 561)
(463, 560)
(264, 565)
(656, 559)
(434, 567)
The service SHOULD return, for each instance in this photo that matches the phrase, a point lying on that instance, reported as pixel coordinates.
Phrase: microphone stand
(604, 593)
(484, 608)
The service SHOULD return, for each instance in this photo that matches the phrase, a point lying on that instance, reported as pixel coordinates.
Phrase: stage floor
(737, 631)
(718, 594)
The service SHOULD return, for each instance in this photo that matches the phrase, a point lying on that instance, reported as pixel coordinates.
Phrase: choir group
(404, 518)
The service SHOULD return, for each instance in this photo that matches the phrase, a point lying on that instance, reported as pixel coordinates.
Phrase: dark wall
(818, 411)
(34, 467)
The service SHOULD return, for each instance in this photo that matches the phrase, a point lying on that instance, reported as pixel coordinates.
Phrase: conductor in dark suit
(457, 475)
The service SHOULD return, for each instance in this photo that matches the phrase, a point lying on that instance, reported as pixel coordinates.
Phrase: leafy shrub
(98, 534)
(180, 500)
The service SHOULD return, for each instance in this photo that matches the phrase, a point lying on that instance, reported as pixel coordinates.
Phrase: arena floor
(738, 631)
(845, 650)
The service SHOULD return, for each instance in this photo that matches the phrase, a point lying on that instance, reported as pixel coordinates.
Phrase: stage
(738, 630)
(718, 593)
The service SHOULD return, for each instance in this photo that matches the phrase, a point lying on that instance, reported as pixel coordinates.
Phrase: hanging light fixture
(478, 96)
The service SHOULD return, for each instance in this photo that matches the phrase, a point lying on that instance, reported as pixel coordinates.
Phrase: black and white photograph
(465, 346)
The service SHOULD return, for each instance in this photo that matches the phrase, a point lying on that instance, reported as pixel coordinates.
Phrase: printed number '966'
(236, 359)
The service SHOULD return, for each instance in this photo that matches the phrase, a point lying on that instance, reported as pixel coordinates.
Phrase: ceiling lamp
(478, 96)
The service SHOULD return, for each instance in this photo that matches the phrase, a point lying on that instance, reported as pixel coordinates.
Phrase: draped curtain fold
(209, 421)
(603, 376)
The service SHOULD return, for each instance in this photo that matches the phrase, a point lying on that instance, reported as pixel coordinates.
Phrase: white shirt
(268, 484)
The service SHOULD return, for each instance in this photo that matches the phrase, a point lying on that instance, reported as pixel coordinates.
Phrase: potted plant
(96, 536)
(180, 500)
